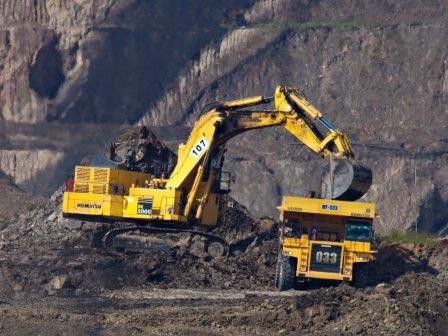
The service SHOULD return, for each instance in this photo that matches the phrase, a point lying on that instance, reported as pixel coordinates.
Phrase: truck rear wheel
(285, 273)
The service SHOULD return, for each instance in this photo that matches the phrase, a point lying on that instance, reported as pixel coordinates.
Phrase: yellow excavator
(189, 198)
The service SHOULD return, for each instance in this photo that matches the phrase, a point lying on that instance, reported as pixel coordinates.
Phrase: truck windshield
(358, 230)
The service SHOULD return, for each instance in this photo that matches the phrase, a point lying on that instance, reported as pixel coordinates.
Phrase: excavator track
(141, 239)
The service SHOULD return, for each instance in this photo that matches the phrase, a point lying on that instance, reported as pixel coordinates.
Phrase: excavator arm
(333, 143)
(295, 114)
(224, 120)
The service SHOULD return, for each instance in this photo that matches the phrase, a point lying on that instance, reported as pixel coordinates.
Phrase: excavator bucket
(345, 180)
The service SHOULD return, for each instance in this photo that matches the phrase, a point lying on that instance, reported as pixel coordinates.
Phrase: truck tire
(285, 277)
(360, 277)
(277, 269)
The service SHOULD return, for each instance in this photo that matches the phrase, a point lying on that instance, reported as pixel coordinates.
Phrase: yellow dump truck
(323, 239)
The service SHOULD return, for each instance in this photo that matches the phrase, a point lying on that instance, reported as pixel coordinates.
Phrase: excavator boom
(225, 120)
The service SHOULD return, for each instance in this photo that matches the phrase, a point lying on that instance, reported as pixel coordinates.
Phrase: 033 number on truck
(199, 147)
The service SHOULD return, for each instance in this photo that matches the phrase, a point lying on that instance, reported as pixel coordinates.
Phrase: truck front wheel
(285, 273)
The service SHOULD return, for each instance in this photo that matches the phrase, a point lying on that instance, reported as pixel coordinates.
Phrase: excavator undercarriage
(146, 239)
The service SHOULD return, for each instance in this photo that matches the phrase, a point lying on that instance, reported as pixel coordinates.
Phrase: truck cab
(323, 239)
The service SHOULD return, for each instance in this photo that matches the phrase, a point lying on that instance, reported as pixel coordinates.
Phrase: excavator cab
(222, 179)
(222, 183)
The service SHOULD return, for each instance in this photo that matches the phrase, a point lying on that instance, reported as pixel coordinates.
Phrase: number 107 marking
(199, 147)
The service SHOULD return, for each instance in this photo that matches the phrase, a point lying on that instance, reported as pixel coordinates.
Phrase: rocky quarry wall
(72, 73)
(377, 69)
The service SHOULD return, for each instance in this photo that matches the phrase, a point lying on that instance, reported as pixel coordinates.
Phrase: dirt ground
(10, 194)
(64, 287)
(412, 305)
(55, 281)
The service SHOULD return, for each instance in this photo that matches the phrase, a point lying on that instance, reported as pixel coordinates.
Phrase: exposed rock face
(39, 156)
(46, 74)
(14, 201)
(214, 62)
(25, 164)
(96, 62)
(377, 69)
(41, 39)
(102, 60)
